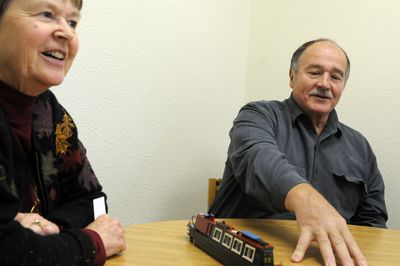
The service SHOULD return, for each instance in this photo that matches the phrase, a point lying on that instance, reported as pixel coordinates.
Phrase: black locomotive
(228, 245)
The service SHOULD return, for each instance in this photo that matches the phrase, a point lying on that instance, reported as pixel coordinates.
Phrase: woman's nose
(64, 30)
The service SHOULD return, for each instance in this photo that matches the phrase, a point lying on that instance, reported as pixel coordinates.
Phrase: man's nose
(324, 81)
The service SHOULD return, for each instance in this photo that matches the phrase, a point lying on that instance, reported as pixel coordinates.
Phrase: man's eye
(336, 77)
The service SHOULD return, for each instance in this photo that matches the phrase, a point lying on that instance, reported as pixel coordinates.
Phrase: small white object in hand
(99, 207)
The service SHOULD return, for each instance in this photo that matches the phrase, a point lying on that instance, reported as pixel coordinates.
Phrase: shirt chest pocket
(348, 193)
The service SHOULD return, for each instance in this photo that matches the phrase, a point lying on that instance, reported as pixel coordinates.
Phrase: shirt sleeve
(259, 166)
(99, 246)
(372, 210)
(21, 246)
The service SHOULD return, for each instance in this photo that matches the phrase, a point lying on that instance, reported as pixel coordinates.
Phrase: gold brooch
(63, 132)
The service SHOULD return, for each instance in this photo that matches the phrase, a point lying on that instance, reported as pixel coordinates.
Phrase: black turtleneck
(17, 108)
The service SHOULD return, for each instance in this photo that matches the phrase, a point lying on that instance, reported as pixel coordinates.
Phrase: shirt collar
(332, 127)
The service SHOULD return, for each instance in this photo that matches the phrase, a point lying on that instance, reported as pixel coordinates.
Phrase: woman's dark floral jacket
(66, 187)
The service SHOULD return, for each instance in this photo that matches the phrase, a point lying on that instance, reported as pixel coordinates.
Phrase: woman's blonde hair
(4, 4)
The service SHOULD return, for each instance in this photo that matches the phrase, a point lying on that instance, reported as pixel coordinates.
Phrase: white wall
(369, 31)
(157, 84)
(154, 90)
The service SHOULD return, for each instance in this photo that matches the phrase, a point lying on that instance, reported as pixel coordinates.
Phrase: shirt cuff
(98, 245)
(282, 187)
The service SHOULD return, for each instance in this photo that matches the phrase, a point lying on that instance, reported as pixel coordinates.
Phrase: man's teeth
(55, 54)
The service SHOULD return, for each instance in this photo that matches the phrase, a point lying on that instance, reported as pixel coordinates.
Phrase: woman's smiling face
(38, 43)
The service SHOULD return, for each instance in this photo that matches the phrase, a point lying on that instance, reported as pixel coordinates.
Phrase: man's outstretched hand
(319, 221)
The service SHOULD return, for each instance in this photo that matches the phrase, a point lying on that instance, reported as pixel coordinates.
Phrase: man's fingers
(302, 245)
(354, 250)
(326, 250)
(341, 250)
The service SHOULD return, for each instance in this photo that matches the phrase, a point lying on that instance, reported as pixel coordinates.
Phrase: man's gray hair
(294, 62)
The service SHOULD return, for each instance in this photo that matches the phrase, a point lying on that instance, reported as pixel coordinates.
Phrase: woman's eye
(72, 23)
(46, 14)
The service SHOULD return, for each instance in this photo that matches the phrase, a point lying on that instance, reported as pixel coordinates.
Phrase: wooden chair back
(213, 186)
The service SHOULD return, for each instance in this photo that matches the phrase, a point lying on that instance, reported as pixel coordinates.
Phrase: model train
(227, 245)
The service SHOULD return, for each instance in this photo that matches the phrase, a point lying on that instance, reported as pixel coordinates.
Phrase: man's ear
(291, 77)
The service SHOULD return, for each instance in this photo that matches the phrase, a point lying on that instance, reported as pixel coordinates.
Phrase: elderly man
(294, 159)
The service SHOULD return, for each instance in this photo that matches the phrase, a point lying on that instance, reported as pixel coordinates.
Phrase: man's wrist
(297, 195)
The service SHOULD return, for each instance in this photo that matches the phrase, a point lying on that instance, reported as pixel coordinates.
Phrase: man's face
(38, 43)
(320, 79)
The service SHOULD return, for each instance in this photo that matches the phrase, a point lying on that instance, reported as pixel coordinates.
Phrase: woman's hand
(37, 223)
(111, 233)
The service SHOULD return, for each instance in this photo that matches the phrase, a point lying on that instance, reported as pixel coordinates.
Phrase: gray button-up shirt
(274, 147)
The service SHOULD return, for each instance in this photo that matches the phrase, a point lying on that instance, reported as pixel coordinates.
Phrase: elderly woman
(46, 183)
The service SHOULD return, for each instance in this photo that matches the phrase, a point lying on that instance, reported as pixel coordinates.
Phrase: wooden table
(167, 243)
